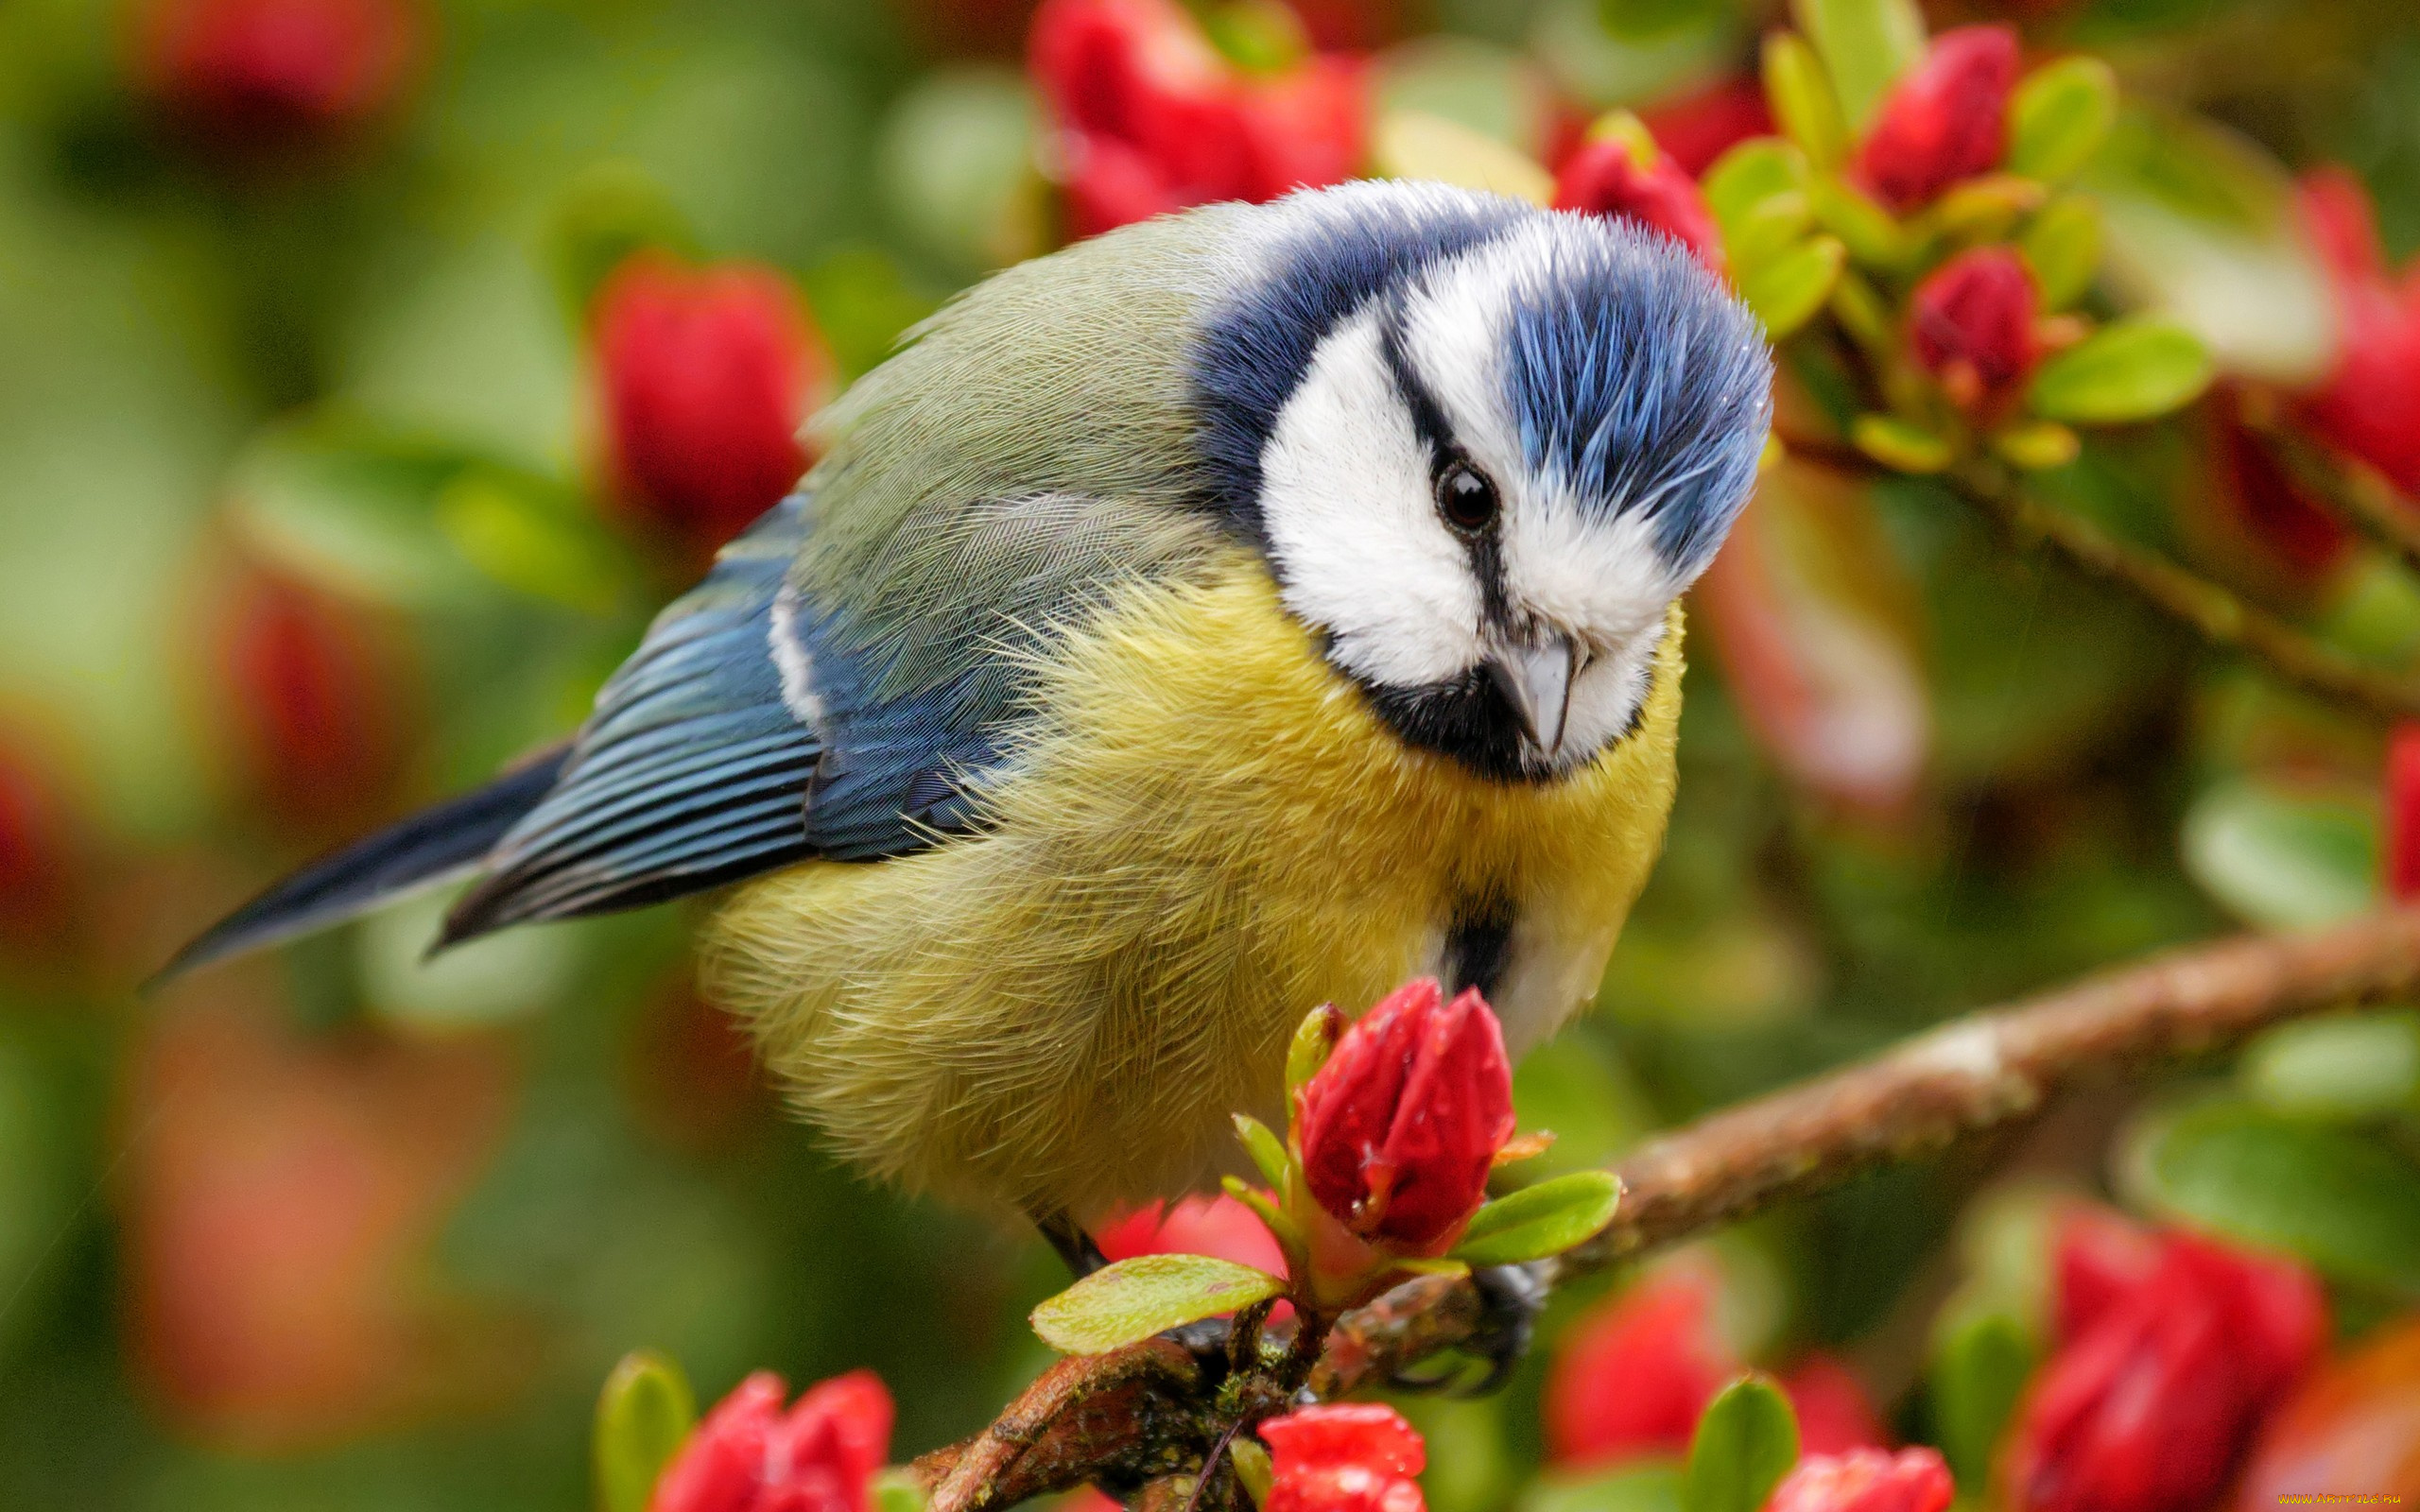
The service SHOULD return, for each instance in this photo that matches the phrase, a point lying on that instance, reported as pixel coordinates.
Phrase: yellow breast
(1207, 833)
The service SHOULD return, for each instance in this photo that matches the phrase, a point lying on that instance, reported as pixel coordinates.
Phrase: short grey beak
(1536, 681)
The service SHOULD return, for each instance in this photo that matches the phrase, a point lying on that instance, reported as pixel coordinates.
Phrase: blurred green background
(301, 524)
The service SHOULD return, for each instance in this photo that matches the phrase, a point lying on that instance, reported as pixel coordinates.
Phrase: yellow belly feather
(1208, 835)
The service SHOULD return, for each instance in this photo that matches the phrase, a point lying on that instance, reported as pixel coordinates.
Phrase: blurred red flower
(316, 700)
(2162, 1372)
(1348, 1457)
(1865, 1480)
(1605, 177)
(1970, 324)
(269, 74)
(705, 376)
(2295, 532)
(43, 856)
(1944, 120)
(748, 1455)
(1219, 1227)
(2354, 1423)
(282, 1204)
(1698, 128)
(1634, 1375)
(2403, 812)
(1400, 1128)
(1149, 118)
(2368, 405)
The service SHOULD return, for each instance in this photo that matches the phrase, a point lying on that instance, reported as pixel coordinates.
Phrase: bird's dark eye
(1465, 497)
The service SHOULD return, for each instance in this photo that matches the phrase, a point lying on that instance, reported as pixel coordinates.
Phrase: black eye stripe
(1445, 455)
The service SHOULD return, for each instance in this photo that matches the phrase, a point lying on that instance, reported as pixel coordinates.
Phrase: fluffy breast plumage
(1204, 832)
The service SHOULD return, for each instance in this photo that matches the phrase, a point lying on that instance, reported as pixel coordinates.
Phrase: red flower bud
(2368, 405)
(1400, 1126)
(1349, 1457)
(2403, 812)
(1944, 120)
(266, 74)
(748, 1455)
(1970, 324)
(2296, 533)
(1219, 1227)
(1833, 1414)
(314, 708)
(2161, 1375)
(1603, 178)
(1150, 119)
(1865, 1480)
(1636, 1374)
(705, 376)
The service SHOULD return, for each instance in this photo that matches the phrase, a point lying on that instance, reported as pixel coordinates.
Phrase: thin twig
(1140, 1413)
(2353, 489)
(2219, 616)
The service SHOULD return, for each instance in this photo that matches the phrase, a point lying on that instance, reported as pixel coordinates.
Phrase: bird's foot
(1066, 1236)
(1510, 1298)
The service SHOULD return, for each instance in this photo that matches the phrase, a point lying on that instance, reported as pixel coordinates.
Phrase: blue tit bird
(1245, 610)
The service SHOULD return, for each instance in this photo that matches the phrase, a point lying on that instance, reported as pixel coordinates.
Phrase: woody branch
(1141, 1414)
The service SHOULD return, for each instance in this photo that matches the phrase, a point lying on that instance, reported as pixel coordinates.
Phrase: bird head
(1483, 447)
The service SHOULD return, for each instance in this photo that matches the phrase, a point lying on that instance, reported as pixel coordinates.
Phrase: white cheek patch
(1345, 502)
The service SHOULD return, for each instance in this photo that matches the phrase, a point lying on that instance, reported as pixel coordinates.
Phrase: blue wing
(693, 771)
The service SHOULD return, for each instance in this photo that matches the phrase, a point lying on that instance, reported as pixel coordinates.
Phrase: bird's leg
(1067, 1237)
(1510, 1297)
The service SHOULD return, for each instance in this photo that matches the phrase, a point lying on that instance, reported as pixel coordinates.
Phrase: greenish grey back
(1032, 444)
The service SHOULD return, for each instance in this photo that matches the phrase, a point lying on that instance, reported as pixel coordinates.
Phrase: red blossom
(705, 375)
(1605, 177)
(748, 1455)
(1399, 1129)
(1971, 325)
(40, 857)
(2403, 812)
(264, 74)
(2355, 1423)
(1150, 119)
(1865, 1480)
(1219, 1227)
(1944, 120)
(2161, 1374)
(2368, 405)
(2298, 533)
(313, 705)
(1835, 1416)
(1347, 1458)
(1698, 128)
(1634, 1375)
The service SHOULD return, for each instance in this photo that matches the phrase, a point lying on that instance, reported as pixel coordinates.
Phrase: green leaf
(1758, 192)
(2282, 859)
(1872, 235)
(1257, 36)
(1268, 1152)
(2352, 1068)
(1744, 1444)
(529, 537)
(895, 1489)
(2060, 115)
(2061, 246)
(1787, 292)
(1135, 1299)
(1637, 21)
(1543, 1220)
(643, 1415)
(1866, 45)
(2129, 371)
(2037, 445)
(1900, 445)
(2345, 1202)
(1803, 100)
(1288, 1233)
(1979, 1370)
(1649, 1486)
(1314, 1040)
